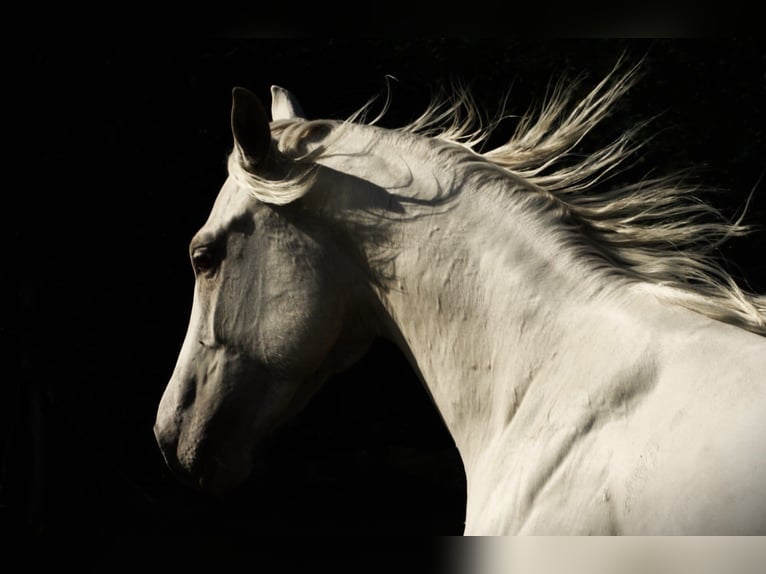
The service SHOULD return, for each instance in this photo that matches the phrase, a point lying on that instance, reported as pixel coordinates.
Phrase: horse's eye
(203, 259)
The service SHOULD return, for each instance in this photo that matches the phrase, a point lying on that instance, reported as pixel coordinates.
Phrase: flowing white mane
(655, 230)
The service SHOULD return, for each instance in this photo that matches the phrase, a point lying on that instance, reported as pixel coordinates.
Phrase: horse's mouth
(214, 471)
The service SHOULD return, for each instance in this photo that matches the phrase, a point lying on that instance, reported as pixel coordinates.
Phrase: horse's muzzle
(199, 464)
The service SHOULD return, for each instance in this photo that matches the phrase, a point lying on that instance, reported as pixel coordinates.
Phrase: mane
(656, 230)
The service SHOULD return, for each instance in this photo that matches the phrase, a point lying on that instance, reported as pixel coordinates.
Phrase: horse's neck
(487, 301)
(494, 314)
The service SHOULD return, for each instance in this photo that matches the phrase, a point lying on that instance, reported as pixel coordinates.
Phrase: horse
(599, 370)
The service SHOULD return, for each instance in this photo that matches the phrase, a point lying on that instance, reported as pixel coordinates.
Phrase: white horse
(598, 371)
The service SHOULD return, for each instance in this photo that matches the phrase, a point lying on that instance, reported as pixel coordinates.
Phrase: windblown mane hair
(655, 230)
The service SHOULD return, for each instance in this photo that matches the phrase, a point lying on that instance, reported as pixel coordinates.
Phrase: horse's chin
(219, 477)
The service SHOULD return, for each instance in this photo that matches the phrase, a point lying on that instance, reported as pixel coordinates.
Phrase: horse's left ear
(284, 106)
(250, 127)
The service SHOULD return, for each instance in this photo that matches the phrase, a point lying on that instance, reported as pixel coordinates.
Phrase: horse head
(273, 312)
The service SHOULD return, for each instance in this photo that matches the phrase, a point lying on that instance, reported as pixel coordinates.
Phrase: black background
(123, 150)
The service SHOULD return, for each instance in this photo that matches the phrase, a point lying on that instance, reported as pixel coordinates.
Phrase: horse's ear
(284, 106)
(250, 127)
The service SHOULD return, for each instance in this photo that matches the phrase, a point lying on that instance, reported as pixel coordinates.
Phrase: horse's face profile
(268, 324)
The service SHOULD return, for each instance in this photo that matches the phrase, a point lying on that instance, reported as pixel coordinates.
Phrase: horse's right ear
(284, 105)
(250, 127)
